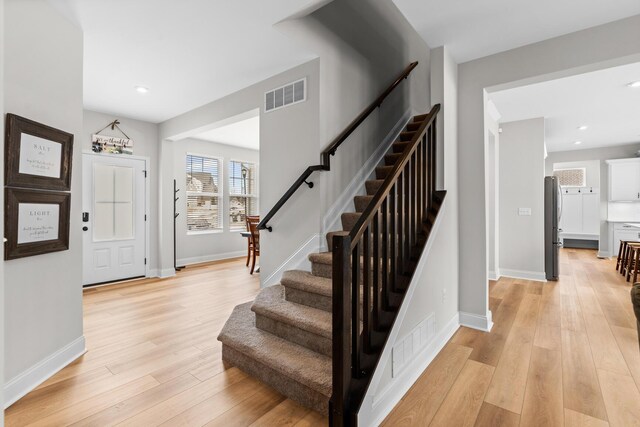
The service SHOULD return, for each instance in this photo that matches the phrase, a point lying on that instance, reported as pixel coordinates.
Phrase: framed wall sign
(37, 155)
(36, 222)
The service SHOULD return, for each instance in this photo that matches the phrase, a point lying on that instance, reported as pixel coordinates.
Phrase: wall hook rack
(175, 217)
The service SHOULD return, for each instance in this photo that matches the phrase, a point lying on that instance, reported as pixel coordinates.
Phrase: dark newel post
(341, 318)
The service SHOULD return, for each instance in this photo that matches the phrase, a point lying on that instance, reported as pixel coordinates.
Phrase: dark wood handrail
(325, 158)
(367, 216)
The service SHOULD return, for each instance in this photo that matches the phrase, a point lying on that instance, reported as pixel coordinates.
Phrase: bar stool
(621, 251)
(632, 260)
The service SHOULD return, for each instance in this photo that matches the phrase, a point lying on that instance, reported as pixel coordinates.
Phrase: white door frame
(147, 201)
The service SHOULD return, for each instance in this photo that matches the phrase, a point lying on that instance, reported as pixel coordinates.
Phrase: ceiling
(473, 29)
(244, 133)
(600, 100)
(188, 52)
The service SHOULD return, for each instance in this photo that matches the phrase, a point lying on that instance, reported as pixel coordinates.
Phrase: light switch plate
(524, 211)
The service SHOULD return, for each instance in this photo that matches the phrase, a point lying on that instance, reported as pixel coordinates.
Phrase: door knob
(85, 228)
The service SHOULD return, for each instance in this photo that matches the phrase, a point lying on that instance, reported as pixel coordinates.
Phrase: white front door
(113, 218)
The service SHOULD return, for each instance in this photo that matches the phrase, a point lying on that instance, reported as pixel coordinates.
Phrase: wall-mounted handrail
(325, 162)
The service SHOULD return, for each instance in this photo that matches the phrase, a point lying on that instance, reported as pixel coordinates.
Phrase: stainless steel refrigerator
(552, 215)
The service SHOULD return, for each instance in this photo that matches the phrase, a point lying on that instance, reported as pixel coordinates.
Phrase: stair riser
(321, 302)
(349, 221)
(391, 159)
(361, 203)
(382, 172)
(406, 136)
(399, 147)
(372, 187)
(312, 341)
(321, 270)
(286, 386)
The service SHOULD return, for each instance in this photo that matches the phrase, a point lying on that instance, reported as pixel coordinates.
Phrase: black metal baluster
(407, 215)
(401, 223)
(384, 288)
(393, 236)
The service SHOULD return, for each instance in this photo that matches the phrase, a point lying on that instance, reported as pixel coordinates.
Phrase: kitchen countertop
(632, 224)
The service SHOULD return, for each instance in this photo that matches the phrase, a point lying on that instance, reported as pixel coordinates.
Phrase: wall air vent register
(286, 95)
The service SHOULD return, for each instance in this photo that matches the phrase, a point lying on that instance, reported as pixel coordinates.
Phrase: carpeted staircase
(284, 337)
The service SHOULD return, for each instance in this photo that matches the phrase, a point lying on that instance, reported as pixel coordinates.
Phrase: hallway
(563, 353)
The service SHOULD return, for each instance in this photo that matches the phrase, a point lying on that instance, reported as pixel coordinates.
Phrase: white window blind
(573, 177)
(204, 194)
(243, 193)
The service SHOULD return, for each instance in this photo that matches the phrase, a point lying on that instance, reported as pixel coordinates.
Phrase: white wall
(145, 140)
(43, 294)
(587, 50)
(194, 248)
(288, 144)
(522, 186)
(435, 284)
(599, 154)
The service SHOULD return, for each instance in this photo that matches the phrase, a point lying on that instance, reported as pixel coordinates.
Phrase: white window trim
(255, 196)
(219, 195)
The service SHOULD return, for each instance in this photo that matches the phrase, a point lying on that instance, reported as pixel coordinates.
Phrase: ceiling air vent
(286, 95)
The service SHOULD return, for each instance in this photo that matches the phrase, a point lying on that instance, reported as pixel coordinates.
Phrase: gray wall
(522, 186)
(193, 248)
(600, 154)
(288, 144)
(145, 140)
(594, 48)
(43, 294)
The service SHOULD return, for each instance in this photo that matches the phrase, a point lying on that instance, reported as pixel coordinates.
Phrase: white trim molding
(210, 258)
(166, 272)
(477, 321)
(299, 260)
(494, 275)
(23, 383)
(604, 254)
(538, 276)
(344, 202)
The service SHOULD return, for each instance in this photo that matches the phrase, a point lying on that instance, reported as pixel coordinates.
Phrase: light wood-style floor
(560, 353)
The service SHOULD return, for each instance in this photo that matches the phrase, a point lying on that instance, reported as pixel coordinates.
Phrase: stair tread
(321, 257)
(291, 360)
(305, 281)
(271, 303)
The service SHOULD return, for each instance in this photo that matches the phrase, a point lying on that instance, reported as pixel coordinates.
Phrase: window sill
(196, 233)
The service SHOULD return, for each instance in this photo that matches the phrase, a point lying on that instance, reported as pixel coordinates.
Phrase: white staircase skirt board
(378, 404)
(331, 219)
(20, 385)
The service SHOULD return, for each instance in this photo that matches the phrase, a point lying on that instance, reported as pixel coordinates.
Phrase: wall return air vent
(286, 95)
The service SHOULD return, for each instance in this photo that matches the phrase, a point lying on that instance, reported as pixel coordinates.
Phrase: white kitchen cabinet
(624, 232)
(624, 180)
(580, 213)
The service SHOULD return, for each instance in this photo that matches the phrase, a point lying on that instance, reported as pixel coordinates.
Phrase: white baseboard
(476, 321)
(166, 272)
(23, 383)
(299, 260)
(604, 254)
(344, 203)
(539, 276)
(388, 398)
(494, 275)
(210, 258)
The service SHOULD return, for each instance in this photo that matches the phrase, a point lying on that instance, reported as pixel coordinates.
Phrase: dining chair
(247, 220)
(255, 240)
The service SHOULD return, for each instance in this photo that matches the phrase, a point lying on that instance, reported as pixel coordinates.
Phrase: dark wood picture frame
(13, 198)
(15, 127)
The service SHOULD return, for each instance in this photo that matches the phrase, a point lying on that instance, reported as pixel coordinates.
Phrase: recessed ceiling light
(634, 84)
(583, 127)
(578, 142)
(142, 89)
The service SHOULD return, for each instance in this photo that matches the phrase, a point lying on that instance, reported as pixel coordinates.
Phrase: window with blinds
(574, 177)
(243, 193)
(204, 194)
